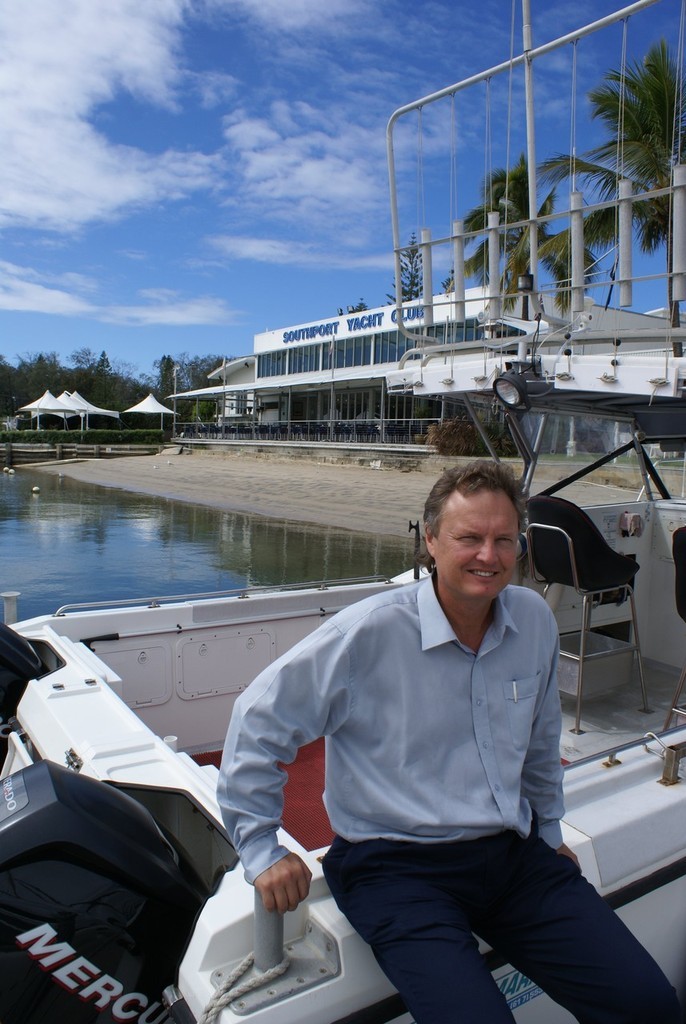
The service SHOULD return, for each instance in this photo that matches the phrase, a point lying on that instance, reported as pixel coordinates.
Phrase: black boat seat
(679, 555)
(565, 547)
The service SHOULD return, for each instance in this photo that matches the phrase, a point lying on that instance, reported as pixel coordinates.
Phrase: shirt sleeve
(304, 695)
(543, 774)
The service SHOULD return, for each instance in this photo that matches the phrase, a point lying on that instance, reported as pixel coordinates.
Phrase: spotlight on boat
(516, 387)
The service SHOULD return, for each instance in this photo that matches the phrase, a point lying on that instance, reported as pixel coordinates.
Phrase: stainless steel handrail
(238, 592)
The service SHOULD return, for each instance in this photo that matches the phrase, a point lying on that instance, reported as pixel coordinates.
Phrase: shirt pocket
(520, 704)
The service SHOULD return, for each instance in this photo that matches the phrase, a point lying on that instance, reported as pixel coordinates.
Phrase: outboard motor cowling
(19, 662)
(95, 910)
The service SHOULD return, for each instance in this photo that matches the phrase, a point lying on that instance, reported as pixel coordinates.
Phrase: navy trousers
(417, 905)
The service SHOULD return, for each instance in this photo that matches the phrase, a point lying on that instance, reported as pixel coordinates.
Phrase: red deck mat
(304, 816)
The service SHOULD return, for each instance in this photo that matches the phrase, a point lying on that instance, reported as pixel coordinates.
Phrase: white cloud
(265, 250)
(301, 166)
(77, 53)
(166, 309)
(66, 66)
(312, 256)
(294, 15)
(23, 289)
(64, 175)
(214, 87)
(61, 63)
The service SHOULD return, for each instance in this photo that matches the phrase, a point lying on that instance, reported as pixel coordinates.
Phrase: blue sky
(177, 175)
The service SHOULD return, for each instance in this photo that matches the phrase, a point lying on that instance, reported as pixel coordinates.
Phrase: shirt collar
(436, 630)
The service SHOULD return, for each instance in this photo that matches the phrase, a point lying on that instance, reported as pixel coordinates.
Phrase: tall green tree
(35, 374)
(198, 368)
(102, 380)
(644, 112)
(85, 368)
(411, 272)
(507, 191)
(7, 396)
(166, 379)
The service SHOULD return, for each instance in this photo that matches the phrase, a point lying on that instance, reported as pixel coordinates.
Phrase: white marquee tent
(151, 405)
(83, 408)
(47, 404)
(65, 405)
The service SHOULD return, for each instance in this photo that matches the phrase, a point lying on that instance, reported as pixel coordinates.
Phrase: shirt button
(486, 745)
(478, 703)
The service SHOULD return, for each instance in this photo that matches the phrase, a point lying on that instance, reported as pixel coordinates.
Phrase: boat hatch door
(145, 669)
(223, 662)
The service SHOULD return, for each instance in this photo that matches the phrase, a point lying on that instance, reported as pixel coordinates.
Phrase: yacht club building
(326, 379)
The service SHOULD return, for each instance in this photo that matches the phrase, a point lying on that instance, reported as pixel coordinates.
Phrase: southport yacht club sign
(351, 324)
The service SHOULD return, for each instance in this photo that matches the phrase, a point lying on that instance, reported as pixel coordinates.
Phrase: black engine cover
(94, 908)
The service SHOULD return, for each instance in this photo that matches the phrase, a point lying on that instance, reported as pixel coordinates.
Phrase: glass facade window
(452, 333)
(355, 351)
(354, 405)
(272, 364)
(390, 346)
(304, 359)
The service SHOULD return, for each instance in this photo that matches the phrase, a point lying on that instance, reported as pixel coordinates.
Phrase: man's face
(475, 549)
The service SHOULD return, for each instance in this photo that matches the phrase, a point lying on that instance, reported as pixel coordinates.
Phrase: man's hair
(475, 476)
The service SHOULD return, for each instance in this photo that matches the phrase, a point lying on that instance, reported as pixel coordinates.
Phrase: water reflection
(78, 542)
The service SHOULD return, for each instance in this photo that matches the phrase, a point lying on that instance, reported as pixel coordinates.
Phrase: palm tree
(508, 192)
(644, 111)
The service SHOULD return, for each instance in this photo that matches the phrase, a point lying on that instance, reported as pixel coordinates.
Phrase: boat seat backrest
(571, 550)
(679, 555)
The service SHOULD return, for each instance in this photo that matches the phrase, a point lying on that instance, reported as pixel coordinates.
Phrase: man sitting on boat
(441, 714)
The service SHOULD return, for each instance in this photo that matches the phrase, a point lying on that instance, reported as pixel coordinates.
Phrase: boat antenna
(680, 83)
(488, 187)
(622, 102)
(508, 138)
(572, 118)
(421, 200)
(677, 161)
(530, 153)
(572, 147)
(621, 241)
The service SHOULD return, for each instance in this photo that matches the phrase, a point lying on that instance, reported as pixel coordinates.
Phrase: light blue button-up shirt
(426, 740)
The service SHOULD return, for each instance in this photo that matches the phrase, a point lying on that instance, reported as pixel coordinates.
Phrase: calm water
(77, 542)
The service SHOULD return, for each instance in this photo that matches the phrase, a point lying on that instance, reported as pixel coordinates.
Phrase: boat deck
(616, 717)
(304, 816)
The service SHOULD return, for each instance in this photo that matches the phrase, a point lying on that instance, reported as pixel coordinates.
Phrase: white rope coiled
(228, 991)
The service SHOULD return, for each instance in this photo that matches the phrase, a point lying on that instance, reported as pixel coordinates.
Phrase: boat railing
(569, 311)
(610, 759)
(239, 593)
(564, 300)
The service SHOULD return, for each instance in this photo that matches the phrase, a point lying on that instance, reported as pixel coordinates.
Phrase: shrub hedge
(460, 437)
(82, 437)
